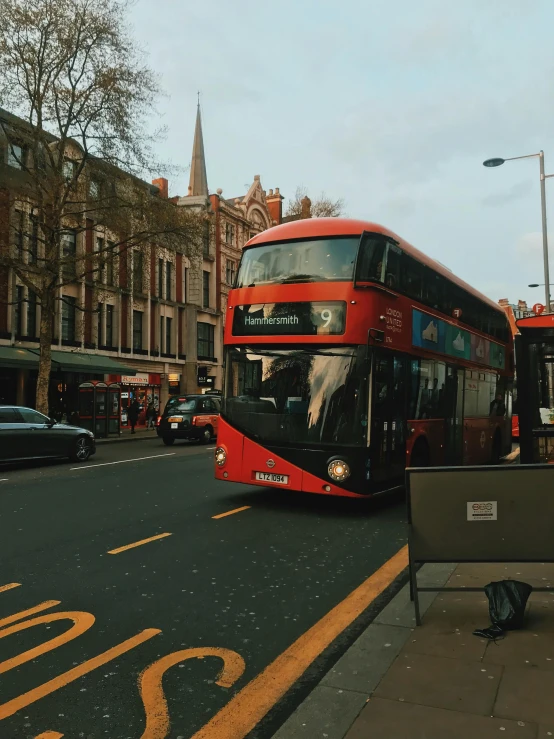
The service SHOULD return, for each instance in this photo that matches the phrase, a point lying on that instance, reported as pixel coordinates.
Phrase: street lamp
(496, 162)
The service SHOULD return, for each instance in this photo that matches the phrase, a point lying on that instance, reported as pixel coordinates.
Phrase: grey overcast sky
(392, 106)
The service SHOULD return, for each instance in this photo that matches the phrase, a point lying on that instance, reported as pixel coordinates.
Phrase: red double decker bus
(350, 355)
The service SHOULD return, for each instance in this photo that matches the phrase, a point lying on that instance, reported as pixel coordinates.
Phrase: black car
(189, 417)
(27, 434)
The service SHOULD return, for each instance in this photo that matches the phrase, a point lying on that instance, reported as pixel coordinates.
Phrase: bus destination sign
(289, 319)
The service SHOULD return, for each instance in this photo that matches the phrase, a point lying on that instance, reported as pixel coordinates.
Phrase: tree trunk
(45, 359)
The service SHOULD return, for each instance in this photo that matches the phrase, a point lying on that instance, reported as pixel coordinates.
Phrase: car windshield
(314, 397)
(180, 405)
(299, 261)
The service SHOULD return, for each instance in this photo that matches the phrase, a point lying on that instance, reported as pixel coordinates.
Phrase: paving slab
(522, 649)
(442, 683)
(527, 695)
(444, 640)
(327, 712)
(400, 611)
(386, 719)
(367, 660)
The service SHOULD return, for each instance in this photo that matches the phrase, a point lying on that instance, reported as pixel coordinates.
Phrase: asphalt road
(89, 629)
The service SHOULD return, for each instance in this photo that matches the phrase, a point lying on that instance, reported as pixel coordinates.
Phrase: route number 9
(326, 316)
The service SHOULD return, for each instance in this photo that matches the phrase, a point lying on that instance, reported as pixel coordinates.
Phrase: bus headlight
(220, 456)
(338, 470)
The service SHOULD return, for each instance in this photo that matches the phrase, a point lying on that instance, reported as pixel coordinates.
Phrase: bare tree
(322, 207)
(77, 144)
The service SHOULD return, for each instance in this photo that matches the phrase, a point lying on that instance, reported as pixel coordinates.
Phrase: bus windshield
(298, 261)
(287, 397)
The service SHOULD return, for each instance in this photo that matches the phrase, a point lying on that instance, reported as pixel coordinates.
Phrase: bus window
(371, 259)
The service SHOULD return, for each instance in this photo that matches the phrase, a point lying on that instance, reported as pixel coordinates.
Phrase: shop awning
(12, 356)
(86, 363)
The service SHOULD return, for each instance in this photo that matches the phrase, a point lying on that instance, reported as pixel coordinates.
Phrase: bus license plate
(272, 477)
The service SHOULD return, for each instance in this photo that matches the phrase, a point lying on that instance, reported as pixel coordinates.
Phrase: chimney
(163, 186)
(274, 202)
(306, 204)
(503, 302)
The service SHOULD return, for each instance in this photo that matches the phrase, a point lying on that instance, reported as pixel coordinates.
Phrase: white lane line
(209, 447)
(5, 479)
(122, 461)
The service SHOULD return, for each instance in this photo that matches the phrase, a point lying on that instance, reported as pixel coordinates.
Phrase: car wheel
(81, 449)
(207, 435)
(168, 440)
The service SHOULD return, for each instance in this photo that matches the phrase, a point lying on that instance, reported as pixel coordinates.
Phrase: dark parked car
(27, 434)
(189, 417)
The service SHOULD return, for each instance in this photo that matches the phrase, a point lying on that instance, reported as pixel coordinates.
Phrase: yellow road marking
(82, 621)
(49, 735)
(230, 513)
(152, 694)
(29, 612)
(243, 712)
(137, 544)
(9, 586)
(26, 699)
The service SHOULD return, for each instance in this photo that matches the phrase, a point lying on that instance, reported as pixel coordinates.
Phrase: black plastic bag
(507, 602)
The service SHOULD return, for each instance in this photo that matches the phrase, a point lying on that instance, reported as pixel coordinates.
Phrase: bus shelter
(535, 367)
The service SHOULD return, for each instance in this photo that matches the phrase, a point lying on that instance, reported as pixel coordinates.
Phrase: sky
(391, 105)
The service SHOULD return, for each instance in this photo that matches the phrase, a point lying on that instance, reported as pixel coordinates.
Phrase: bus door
(388, 424)
(453, 416)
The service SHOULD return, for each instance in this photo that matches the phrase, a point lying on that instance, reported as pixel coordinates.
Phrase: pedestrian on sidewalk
(133, 414)
(151, 414)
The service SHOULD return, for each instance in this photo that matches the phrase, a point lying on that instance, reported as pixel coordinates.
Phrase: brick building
(152, 319)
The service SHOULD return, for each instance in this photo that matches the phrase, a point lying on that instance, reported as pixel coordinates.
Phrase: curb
(336, 702)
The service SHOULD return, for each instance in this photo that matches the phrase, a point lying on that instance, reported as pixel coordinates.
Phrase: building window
(110, 264)
(160, 278)
(138, 269)
(230, 272)
(19, 234)
(109, 326)
(32, 314)
(205, 340)
(33, 245)
(69, 253)
(68, 318)
(69, 169)
(168, 280)
(168, 323)
(18, 311)
(229, 233)
(206, 239)
(161, 334)
(206, 289)
(100, 310)
(185, 284)
(16, 156)
(94, 189)
(137, 329)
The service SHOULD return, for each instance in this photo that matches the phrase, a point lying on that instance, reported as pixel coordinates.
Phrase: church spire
(198, 184)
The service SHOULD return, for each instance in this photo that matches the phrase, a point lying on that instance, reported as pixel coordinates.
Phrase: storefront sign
(292, 319)
(139, 379)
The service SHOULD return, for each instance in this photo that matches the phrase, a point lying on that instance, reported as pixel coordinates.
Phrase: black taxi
(193, 417)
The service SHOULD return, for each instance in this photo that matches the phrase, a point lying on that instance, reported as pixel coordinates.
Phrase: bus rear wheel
(420, 456)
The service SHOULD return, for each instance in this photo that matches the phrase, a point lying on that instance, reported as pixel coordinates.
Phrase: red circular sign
(538, 308)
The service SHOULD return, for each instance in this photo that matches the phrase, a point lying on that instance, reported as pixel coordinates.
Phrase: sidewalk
(142, 434)
(438, 681)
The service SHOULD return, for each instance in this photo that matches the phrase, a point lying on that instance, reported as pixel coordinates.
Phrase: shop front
(144, 387)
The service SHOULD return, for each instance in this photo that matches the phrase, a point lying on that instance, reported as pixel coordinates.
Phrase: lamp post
(496, 163)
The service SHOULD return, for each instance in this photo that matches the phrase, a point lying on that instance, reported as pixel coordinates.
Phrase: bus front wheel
(420, 456)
